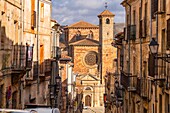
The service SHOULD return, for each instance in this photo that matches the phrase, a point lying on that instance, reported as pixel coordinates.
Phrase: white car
(43, 110)
(85, 107)
(13, 111)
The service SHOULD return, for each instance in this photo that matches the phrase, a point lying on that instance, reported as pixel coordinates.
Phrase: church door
(88, 100)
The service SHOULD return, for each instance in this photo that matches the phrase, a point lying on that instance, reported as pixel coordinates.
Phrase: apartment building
(145, 76)
(27, 48)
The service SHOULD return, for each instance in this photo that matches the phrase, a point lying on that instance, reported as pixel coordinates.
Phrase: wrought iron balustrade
(144, 88)
(48, 65)
(128, 81)
(131, 32)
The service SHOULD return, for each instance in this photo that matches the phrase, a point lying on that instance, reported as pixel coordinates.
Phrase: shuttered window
(151, 65)
(154, 6)
(168, 33)
(163, 6)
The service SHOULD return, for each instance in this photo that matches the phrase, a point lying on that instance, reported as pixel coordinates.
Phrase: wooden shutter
(168, 33)
(125, 37)
(22, 56)
(140, 29)
(133, 32)
(154, 6)
(151, 65)
(128, 32)
(33, 20)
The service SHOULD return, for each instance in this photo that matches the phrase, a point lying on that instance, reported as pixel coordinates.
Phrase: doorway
(88, 100)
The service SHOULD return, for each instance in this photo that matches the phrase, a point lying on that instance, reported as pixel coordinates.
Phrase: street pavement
(94, 110)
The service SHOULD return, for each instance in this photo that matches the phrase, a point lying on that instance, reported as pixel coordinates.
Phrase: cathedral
(93, 56)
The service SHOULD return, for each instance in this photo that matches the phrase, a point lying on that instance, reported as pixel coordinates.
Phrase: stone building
(145, 79)
(25, 52)
(37, 31)
(92, 54)
(11, 48)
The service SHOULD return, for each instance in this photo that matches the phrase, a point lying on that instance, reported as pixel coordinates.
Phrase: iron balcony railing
(131, 32)
(128, 81)
(47, 65)
(144, 88)
(22, 57)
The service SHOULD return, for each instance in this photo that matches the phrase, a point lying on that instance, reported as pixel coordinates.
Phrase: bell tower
(106, 35)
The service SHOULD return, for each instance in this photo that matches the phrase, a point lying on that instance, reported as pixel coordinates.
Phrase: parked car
(13, 111)
(41, 109)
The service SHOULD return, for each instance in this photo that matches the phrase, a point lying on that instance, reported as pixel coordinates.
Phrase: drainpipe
(38, 49)
(150, 40)
(141, 51)
(156, 98)
(21, 39)
(129, 55)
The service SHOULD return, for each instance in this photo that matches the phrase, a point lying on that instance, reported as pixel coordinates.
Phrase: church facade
(93, 56)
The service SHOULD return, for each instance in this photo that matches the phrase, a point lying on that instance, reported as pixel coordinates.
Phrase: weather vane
(106, 5)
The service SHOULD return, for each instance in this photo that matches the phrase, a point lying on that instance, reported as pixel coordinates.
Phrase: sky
(67, 12)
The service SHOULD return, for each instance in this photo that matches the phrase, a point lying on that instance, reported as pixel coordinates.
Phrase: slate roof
(106, 13)
(82, 24)
(85, 42)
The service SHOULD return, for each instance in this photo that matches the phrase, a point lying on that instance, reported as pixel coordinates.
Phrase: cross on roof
(106, 5)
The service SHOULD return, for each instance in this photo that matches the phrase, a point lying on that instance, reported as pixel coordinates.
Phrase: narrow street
(94, 110)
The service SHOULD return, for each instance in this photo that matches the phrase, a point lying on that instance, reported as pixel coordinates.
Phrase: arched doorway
(88, 100)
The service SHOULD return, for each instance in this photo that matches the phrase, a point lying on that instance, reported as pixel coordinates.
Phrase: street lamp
(153, 46)
(58, 80)
(116, 84)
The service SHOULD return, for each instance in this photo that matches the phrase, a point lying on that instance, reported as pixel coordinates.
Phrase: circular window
(91, 59)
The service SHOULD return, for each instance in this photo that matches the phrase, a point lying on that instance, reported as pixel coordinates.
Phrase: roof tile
(82, 24)
(106, 13)
(86, 42)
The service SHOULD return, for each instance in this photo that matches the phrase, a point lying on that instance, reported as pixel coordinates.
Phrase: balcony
(144, 88)
(128, 81)
(131, 32)
(47, 66)
(19, 60)
(22, 58)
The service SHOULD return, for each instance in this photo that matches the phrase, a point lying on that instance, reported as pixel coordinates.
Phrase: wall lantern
(153, 46)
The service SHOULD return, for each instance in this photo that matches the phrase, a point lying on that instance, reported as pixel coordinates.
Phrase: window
(33, 15)
(42, 12)
(90, 35)
(154, 7)
(78, 35)
(88, 88)
(160, 104)
(134, 66)
(166, 103)
(151, 65)
(163, 6)
(134, 17)
(107, 21)
(3, 36)
(33, 20)
(100, 21)
(128, 20)
(145, 20)
(1, 95)
(168, 33)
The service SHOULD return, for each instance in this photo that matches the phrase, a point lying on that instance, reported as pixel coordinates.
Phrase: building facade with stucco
(92, 54)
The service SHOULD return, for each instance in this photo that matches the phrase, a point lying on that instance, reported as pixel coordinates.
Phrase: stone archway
(88, 100)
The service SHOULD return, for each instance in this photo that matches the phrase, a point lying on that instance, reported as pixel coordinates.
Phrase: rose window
(91, 59)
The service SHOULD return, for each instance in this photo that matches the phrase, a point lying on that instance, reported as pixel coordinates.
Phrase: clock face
(91, 59)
